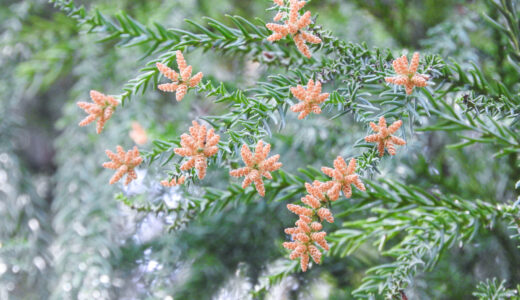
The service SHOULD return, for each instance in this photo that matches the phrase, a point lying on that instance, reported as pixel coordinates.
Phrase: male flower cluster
(307, 234)
(310, 99)
(181, 81)
(124, 163)
(198, 146)
(343, 177)
(138, 134)
(257, 166)
(101, 109)
(383, 136)
(407, 75)
(294, 26)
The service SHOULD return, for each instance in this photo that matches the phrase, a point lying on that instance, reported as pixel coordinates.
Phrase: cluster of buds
(257, 166)
(138, 134)
(383, 136)
(307, 234)
(198, 146)
(407, 75)
(310, 98)
(343, 177)
(182, 80)
(101, 109)
(294, 25)
(124, 163)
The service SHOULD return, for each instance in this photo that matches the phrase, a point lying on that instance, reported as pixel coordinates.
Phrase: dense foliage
(436, 216)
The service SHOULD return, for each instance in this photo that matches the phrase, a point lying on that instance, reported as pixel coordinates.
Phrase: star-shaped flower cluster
(343, 177)
(173, 181)
(198, 145)
(407, 75)
(257, 166)
(124, 163)
(182, 81)
(294, 26)
(101, 109)
(138, 134)
(310, 99)
(384, 137)
(307, 234)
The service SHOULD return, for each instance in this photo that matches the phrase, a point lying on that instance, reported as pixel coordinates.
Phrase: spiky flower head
(101, 109)
(294, 26)
(257, 166)
(343, 177)
(407, 75)
(317, 193)
(305, 236)
(307, 232)
(383, 136)
(310, 98)
(181, 81)
(198, 146)
(124, 163)
(138, 134)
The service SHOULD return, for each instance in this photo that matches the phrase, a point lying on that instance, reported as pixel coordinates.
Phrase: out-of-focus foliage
(438, 219)
(491, 289)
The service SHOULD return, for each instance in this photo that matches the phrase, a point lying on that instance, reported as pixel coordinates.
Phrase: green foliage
(509, 28)
(491, 289)
(455, 222)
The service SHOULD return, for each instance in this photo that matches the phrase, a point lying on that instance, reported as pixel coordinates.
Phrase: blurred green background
(63, 235)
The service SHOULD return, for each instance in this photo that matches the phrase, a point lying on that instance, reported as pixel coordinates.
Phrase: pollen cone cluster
(310, 99)
(198, 146)
(101, 109)
(173, 182)
(383, 136)
(407, 75)
(181, 81)
(294, 25)
(343, 177)
(124, 163)
(257, 166)
(138, 134)
(306, 236)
